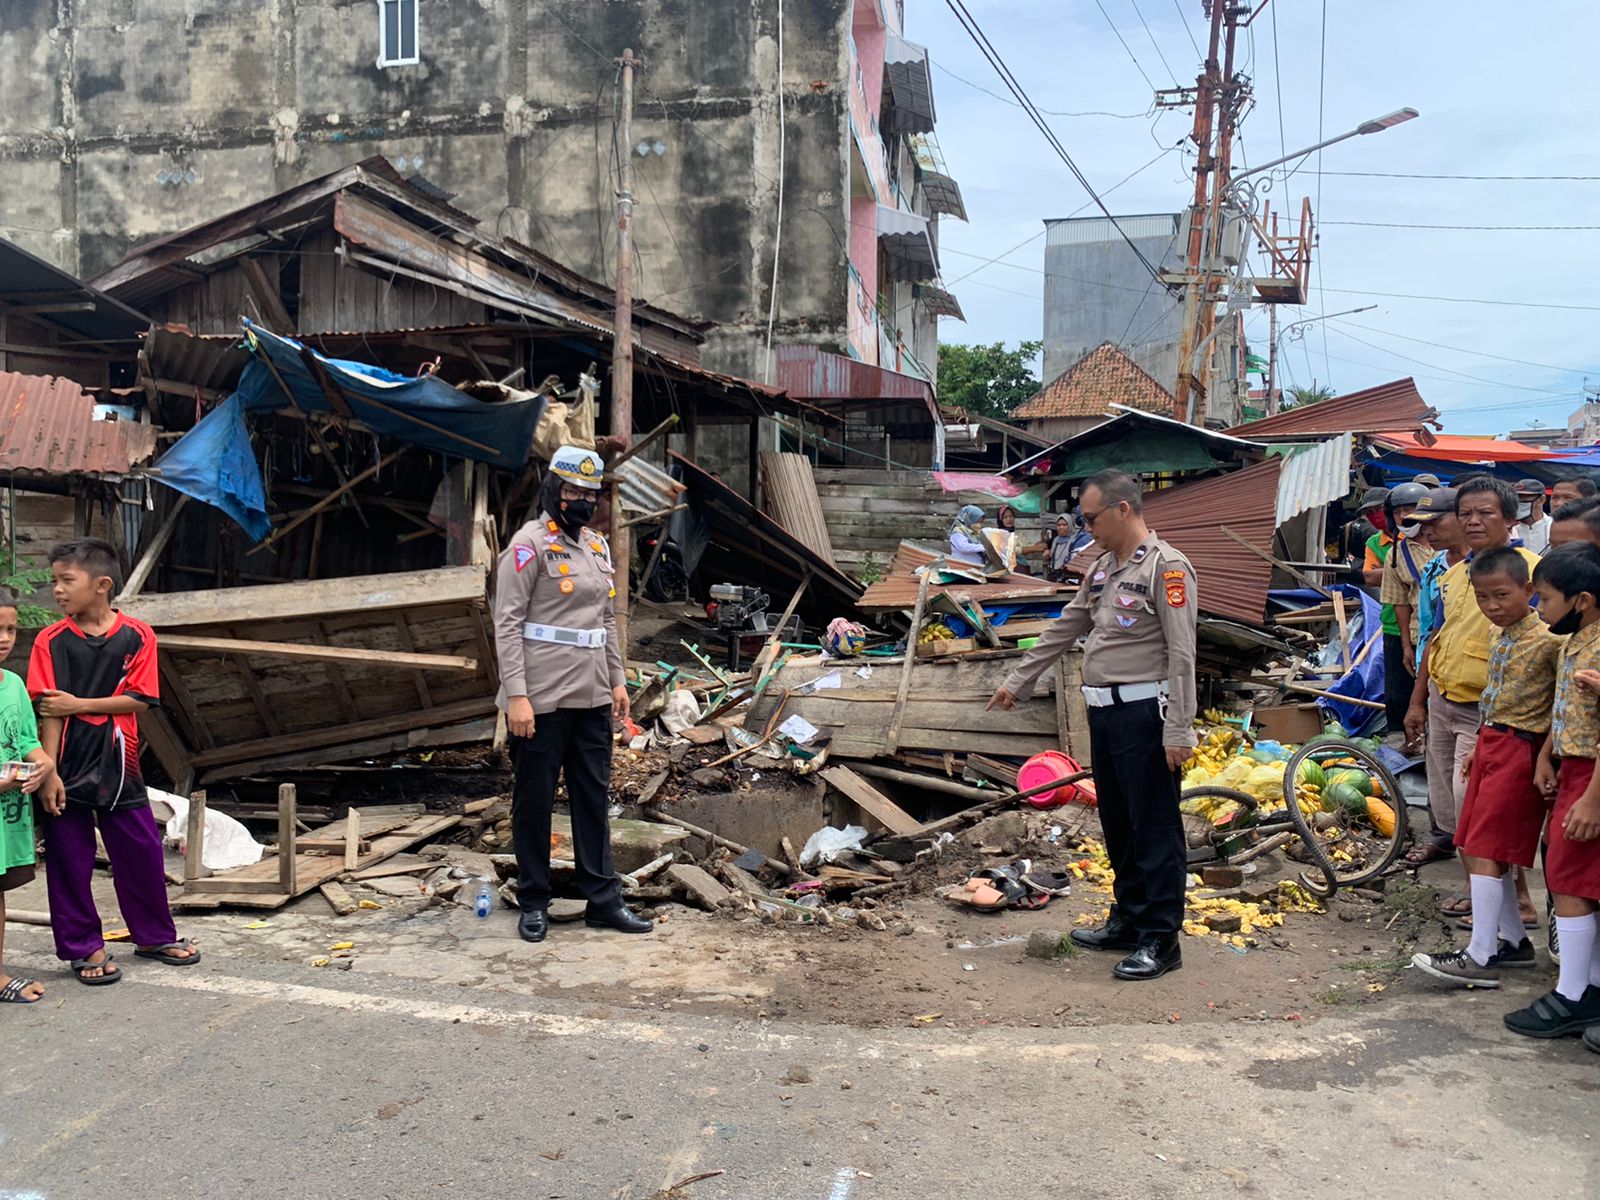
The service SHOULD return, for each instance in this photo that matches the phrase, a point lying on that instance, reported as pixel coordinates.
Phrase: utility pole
(1272, 357)
(1205, 99)
(622, 346)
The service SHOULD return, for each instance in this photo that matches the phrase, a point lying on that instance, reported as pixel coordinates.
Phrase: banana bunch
(1211, 756)
(1309, 797)
(935, 631)
(1216, 809)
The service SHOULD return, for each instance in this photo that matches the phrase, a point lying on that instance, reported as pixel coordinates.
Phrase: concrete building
(772, 144)
(1096, 290)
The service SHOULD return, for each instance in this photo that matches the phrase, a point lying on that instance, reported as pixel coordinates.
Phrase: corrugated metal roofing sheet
(1387, 408)
(808, 373)
(48, 427)
(1456, 448)
(1231, 581)
(1319, 475)
(898, 589)
(28, 279)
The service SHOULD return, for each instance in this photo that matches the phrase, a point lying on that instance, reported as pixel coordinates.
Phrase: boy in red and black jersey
(91, 675)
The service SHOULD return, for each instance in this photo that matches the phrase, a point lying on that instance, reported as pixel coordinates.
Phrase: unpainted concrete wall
(511, 108)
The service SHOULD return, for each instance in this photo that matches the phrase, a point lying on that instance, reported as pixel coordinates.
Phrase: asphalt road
(268, 1079)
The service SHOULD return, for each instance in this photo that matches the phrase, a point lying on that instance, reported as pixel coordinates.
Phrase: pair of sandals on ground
(1018, 886)
(102, 971)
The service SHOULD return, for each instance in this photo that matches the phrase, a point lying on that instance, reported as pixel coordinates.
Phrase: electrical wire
(1447, 370)
(974, 31)
(1471, 228)
(1049, 112)
(1153, 43)
(1184, 21)
(1131, 56)
(1461, 349)
(1495, 178)
(1036, 236)
(1466, 300)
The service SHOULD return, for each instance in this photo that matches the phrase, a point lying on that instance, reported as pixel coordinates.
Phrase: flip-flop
(1032, 901)
(1456, 906)
(1426, 853)
(159, 953)
(112, 974)
(12, 992)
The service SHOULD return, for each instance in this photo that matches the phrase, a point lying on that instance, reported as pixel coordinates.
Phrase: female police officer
(561, 686)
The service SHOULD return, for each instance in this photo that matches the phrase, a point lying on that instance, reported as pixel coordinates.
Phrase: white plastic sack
(827, 844)
(228, 844)
(682, 711)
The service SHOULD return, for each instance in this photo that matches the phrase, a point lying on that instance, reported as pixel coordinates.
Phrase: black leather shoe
(532, 926)
(1153, 959)
(621, 918)
(1113, 935)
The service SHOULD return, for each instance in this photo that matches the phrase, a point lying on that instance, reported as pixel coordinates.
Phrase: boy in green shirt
(24, 766)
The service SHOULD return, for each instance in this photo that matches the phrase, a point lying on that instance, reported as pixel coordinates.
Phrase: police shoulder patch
(522, 556)
(1176, 585)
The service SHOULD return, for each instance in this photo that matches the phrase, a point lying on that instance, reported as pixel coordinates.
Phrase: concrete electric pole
(622, 345)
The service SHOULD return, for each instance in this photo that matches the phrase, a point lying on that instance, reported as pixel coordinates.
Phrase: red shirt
(99, 756)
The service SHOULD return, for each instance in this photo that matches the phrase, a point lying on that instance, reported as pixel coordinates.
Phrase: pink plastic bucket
(1052, 764)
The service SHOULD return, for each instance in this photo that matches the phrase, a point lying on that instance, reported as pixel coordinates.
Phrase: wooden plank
(699, 884)
(897, 718)
(181, 642)
(140, 575)
(402, 629)
(314, 871)
(480, 730)
(447, 714)
(1344, 629)
(882, 809)
(312, 598)
(195, 838)
(352, 838)
(340, 900)
(401, 864)
(269, 301)
(741, 880)
(1062, 730)
(224, 885)
(288, 852)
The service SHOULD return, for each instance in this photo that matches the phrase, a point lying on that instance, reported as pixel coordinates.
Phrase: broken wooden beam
(699, 884)
(870, 800)
(340, 900)
(182, 642)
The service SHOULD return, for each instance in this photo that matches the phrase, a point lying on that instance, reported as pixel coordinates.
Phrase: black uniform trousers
(577, 740)
(1138, 802)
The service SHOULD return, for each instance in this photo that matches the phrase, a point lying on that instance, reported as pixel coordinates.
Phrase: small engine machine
(741, 615)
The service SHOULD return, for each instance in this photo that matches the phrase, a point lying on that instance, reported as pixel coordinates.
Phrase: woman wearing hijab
(1061, 549)
(1006, 520)
(965, 533)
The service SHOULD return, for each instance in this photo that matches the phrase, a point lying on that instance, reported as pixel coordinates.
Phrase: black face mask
(575, 514)
(1569, 623)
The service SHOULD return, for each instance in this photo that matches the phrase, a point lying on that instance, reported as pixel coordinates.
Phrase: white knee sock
(1485, 918)
(1510, 911)
(1577, 953)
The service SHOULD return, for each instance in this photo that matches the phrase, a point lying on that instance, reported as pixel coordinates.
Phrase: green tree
(18, 578)
(990, 380)
(1299, 397)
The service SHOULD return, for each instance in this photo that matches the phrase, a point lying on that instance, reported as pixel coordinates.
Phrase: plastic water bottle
(483, 902)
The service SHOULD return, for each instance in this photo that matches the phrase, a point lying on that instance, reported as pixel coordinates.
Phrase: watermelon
(1313, 774)
(1343, 795)
(1359, 780)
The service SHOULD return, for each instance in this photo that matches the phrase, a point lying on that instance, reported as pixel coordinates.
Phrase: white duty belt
(1124, 693)
(588, 639)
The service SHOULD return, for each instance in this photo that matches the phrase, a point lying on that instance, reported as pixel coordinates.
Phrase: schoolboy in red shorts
(1503, 811)
(1568, 584)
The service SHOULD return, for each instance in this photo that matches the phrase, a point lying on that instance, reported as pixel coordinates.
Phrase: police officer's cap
(580, 467)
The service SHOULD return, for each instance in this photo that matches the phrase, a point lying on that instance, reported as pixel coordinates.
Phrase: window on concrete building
(397, 33)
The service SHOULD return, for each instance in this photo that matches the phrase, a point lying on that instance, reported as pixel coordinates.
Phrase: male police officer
(1137, 604)
(561, 685)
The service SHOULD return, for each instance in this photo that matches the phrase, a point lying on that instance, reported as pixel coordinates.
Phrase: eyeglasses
(1089, 518)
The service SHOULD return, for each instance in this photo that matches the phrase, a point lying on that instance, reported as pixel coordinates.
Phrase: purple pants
(133, 843)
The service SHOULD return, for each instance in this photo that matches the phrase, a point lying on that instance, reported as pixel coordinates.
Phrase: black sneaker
(1521, 955)
(1552, 1015)
(1457, 966)
(1591, 1038)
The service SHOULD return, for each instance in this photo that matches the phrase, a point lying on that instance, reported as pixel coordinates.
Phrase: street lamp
(1295, 328)
(1376, 125)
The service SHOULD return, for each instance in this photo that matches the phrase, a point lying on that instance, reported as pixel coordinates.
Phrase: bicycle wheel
(1353, 825)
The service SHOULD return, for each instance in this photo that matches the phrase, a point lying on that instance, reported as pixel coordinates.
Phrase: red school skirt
(1502, 814)
(1572, 868)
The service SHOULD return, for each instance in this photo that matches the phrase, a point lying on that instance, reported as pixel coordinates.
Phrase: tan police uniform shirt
(1140, 618)
(548, 578)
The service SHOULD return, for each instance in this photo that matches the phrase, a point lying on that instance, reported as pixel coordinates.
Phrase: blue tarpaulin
(1366, 681)
(425, 412)
(214, 463)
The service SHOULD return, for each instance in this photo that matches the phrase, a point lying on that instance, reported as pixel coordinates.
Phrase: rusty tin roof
(48, 427)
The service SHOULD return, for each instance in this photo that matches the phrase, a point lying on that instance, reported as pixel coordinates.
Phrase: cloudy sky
(1502, 91)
